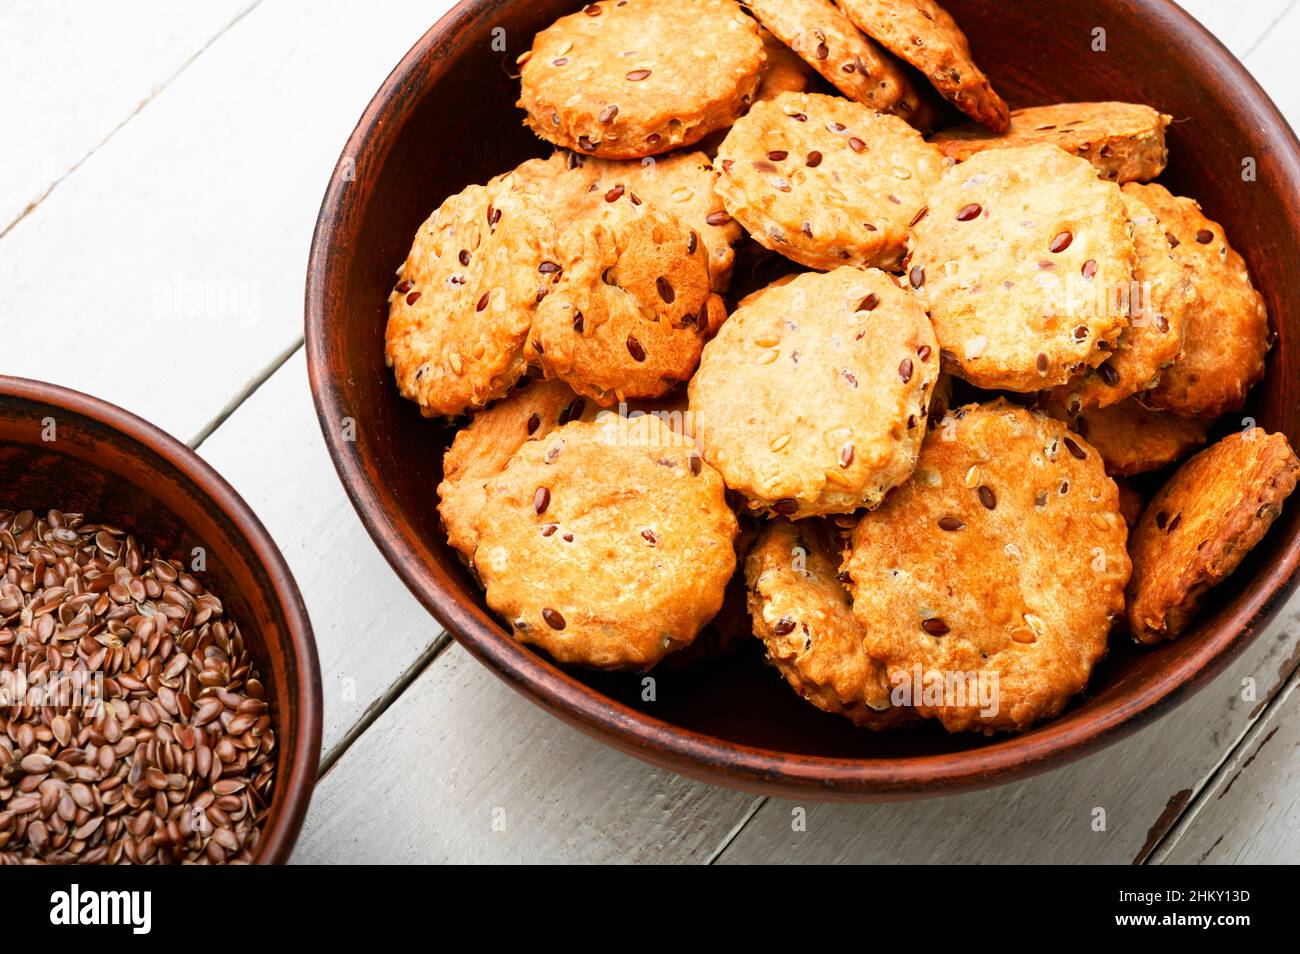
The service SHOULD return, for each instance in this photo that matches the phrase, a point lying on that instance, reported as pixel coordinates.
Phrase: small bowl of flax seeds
(160, 695)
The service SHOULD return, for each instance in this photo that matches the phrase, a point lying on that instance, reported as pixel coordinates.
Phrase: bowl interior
(447, 117)
(59, 450)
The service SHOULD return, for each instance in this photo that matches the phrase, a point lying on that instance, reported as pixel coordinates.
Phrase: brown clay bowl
(446, 118)
(118, 469)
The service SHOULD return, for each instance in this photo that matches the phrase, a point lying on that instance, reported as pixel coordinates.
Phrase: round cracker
(606, 547)
(1131, 438)
(812, 398)
(459, 315)
(785, 71)
(631, 307)
(1011, 312)
(825, 181)
(641, 77)
(1226, 335)
(1157, 303)
(1199, 527)
(977, 565)
(481, 450)
(828, 42)
(681, 184)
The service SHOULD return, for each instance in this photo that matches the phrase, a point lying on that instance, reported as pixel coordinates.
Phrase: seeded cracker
(1133, 439)
(1016, 258)
(482, 449)
(1158, 302)
(1226, 334)
(819, 33)
(825, 181)
(631, 307)
(802, 614)
(812, 398)
(459, 315)
(1004, 554)
(1199, 527)
(681, 184)
(637, 78)
(607, 547)
(1125, 142)
(922, 33)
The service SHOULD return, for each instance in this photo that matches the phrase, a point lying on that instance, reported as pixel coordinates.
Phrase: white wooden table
(162, 166)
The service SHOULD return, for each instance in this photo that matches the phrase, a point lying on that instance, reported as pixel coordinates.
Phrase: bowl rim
(706, 757)
(278, 838)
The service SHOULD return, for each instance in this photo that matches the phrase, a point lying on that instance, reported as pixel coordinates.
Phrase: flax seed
(116, 776)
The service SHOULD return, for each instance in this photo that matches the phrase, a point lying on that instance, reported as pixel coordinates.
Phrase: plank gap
(167, 81)
(759, 802)
(1187, 817)
(245, 393)
(1269, 29)
(377, 708)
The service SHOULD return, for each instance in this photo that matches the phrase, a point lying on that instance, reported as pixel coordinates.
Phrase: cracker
(1133, 439)
(804, 617)
(812, 398)
(606, 548)
(641, 77)
(682, 184)
(1199, 527)
(631, 307)
(483, 448)
(1016, 258)
(825, 181)
(1125, 142)
(1226, 336)
(1003, 557)
(828, 42)
(925, 35)
(459, 315)
(1157, 303)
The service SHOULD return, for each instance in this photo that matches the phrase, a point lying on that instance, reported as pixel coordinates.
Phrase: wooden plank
(167, 272)
(1250, 814)
(1142, 784)
(1240, 26)
(463, 769)
(78, 69)
(369, 629)
(1272, 62)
